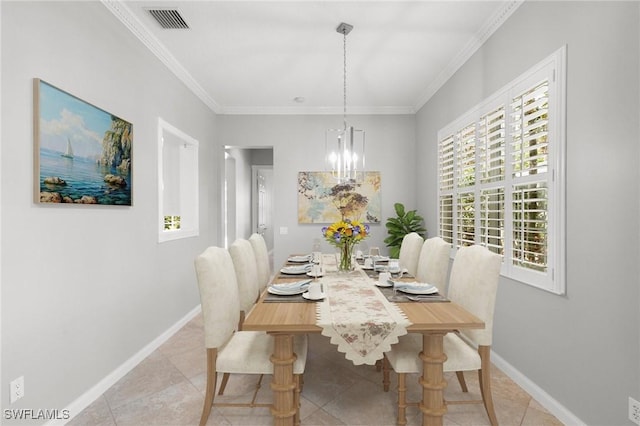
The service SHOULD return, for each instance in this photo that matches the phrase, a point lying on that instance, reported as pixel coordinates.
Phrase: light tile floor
(167, 389)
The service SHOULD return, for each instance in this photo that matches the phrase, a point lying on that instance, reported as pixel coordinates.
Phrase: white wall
(583, 349)
(298, 145)
(86, 287)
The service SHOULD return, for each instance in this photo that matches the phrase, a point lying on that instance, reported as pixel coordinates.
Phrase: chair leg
(402, 399)
(463, 383)
(378, 365)
(223, 384)
(296, 399)
(484, 377)
(212, 354)
(257, 389)
(385, 374)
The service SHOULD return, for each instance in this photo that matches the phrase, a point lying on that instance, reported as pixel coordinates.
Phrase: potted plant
(397, 227)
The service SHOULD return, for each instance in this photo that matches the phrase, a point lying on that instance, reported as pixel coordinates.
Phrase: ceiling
(257, 57)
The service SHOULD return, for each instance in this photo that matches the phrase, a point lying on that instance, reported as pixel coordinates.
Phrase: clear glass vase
(344, 257)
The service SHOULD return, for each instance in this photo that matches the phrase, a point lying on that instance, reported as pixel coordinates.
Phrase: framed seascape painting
(321, 200)
(82, 154)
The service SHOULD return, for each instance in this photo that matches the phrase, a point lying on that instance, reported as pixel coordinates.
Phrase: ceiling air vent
(168, 18)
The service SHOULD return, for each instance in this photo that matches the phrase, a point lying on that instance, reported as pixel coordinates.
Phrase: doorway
(248, 194)
(262, 203)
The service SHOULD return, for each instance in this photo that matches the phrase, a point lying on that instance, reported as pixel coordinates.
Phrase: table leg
(432, 381)
(283, 383)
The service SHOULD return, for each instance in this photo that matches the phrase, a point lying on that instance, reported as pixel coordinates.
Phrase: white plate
(289, 288)
(367, 268)
(286, 293)
(300, 259)
(311, 274)
(296, 270)
(417, 288)
(279, 292)
(306, 296)
(388, 284)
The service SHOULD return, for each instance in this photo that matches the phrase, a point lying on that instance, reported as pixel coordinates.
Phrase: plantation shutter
(445, 178)
(501, 176)
(529, 165)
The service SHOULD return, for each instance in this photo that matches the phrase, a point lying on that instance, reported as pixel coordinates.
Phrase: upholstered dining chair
(261, 253)
(473, 285)
(230, 350)
(433, 263)
(244, 263)
(246, 270)
(410, 251)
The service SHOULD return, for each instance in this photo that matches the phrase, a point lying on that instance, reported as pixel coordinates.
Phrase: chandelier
(345, 146)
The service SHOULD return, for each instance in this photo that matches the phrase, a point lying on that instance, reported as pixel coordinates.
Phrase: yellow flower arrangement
(344, 235)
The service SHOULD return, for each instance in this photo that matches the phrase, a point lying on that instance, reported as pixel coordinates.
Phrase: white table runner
(356, 316)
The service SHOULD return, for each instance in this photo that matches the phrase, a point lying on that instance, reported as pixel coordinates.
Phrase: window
(178, 183)
(501, 176)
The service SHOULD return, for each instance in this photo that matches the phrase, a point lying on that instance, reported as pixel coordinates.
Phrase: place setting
(297, 291)
(298, 269)
(408, 291)
(287, 292)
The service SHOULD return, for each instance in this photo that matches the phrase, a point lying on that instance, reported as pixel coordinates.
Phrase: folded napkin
(415, 287)
(293, 285)
(297, 268)
(301, 258)
(289, 288)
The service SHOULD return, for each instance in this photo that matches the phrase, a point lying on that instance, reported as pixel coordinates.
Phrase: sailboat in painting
(69, 152)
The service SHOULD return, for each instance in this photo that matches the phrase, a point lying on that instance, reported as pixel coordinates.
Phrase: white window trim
(554, 280)
(190, 228)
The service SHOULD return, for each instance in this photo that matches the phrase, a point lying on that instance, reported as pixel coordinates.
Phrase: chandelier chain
(344, 111)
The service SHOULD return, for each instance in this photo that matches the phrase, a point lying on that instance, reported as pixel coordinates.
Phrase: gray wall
(298, 145)
(582, 348)
(85, 288)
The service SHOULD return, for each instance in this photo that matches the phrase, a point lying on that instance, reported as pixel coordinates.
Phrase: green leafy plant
(397, 227)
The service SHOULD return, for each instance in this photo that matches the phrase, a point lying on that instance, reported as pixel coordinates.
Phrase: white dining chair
(473, 285)
(244, 263)
(261, 252)
(230, 350)
(433, 263)
(410, 252)
(246, 270)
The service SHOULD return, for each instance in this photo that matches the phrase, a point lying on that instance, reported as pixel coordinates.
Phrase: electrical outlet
(634, 411)
(17, 389)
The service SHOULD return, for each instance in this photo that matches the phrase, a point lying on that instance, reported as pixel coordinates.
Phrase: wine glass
(395, 297)
(394, 268)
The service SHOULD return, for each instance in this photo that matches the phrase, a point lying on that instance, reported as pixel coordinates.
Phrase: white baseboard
(546, 400)
(101, 387)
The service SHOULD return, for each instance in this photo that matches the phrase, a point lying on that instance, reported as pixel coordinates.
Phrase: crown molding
(492, 24)
(300, 110)
(124, 14)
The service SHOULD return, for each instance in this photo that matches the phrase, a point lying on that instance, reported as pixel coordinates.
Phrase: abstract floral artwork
(322, 200)
(82, 153)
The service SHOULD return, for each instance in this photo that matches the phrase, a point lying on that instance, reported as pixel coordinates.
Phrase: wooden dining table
(284, 320)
